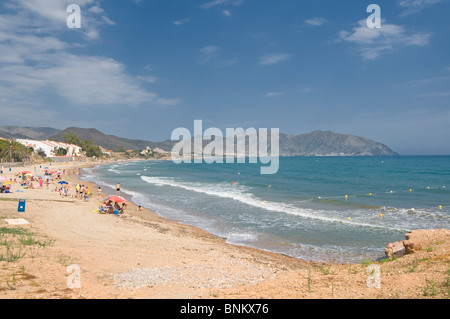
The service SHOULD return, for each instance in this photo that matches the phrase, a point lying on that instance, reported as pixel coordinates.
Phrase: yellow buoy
(370, 194)
(381, 215)
(346, 196)
(262, 202)
(348, 218)
(440, 206)
(391, 192)
(410, 190)
(319, 197)
(443, 186)
(428, 187)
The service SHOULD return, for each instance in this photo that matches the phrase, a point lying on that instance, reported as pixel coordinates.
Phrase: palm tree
(15, 152)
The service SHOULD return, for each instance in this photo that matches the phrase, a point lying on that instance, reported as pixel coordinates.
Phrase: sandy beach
(72, 251)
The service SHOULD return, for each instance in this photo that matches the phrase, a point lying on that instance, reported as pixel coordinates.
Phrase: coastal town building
(50, 148)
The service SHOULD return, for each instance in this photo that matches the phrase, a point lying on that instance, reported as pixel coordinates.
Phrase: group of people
(82, 192)
(5, 188)
(110, 207)
(63, 190)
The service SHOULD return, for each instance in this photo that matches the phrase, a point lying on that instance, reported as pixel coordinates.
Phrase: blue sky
(141, 68)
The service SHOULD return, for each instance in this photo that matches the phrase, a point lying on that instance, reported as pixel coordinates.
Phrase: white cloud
(371, 43)
(81, 80)
(226, 13)
(108, 20)
(274, 94)
(181, 22)
(273, 58)
(207, 54)
(96, 9)
(35, 64)
(52, 15)
(211, 56)
(148, 79)
(429, 81)
(316, 22)
(215, 3)
(414, 6)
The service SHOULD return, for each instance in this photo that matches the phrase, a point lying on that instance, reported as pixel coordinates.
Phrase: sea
(332, 209)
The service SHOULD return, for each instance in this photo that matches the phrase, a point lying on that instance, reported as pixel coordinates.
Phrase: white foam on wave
(418, 218)
(240, 193)
(113, 169)
(239, 238)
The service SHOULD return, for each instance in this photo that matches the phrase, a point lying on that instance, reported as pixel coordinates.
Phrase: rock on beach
(417, 240)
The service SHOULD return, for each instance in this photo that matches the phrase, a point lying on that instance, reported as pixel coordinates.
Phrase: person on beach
(82, 190)
(117, 207)
(118, 189)
(99, 192)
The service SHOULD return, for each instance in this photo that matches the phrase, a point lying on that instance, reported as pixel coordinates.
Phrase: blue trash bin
(21, 208)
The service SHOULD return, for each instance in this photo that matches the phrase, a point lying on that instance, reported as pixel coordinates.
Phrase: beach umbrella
(7, 183)
(2, 178)
(117, 199)
(62, 182)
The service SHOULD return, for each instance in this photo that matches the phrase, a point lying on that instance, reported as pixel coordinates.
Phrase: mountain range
(317, 143)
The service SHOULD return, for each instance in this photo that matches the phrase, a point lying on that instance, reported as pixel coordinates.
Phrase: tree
(61, 152)
(13, 151)
(91, 149)
(72, 138)
(41, 153)
(88, 146)
(121, 149)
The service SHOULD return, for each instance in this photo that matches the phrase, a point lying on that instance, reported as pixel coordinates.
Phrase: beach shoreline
(142, 255)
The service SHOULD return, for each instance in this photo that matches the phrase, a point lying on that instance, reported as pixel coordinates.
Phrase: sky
(142, 68)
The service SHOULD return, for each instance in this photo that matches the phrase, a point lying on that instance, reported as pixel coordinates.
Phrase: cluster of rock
(417, 240)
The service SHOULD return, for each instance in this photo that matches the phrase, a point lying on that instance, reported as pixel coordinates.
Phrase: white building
(160, 150)
(51, 147)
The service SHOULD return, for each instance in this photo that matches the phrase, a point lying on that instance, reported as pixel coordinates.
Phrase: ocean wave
(240, 238)
(241, 193)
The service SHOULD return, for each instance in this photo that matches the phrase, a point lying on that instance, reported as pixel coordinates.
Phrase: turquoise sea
(341, 209)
